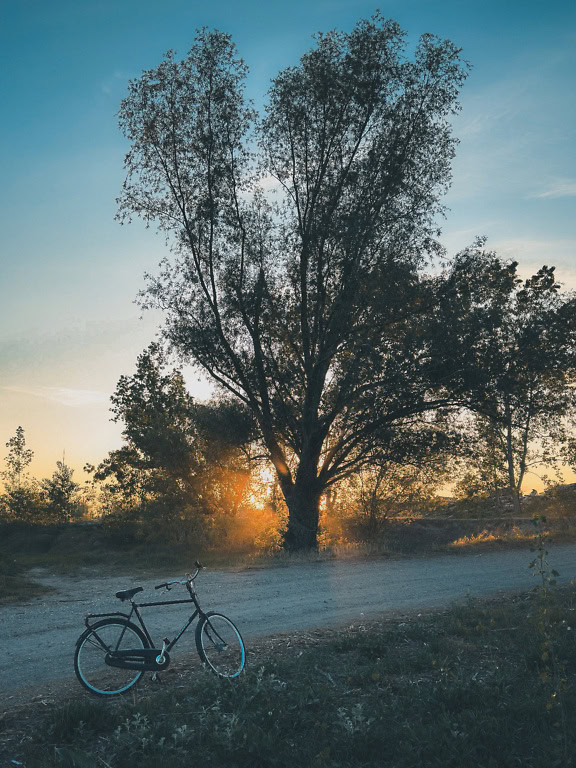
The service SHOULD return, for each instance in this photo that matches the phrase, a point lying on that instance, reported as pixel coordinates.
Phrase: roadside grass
(173, 561)
(76, 548)
(17, 589)
(164, 561)
(340, 551)
(465, 687)
(131, 562)
(492, 539)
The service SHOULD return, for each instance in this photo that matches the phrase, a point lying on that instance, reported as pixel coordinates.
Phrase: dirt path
(38, 638)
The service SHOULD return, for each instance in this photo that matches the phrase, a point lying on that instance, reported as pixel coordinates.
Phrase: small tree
(18, 459)
(377, 495)
(481, 471)
(61, 495)
(21, 500)
(181, 460)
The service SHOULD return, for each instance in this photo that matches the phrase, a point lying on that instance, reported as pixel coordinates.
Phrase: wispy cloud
(557, 188)
(73, 398)
(513, 130)
(489, 109)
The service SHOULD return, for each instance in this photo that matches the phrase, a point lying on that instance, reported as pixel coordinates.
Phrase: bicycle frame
(168, 645)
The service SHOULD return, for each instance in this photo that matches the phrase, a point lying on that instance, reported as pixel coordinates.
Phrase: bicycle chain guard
(142, 660)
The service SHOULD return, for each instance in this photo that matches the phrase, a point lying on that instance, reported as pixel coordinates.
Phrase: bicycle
(113, 653)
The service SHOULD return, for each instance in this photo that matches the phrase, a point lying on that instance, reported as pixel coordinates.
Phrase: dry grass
(513, 537)
(486, 538)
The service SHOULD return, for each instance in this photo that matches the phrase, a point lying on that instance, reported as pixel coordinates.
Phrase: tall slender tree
(21, 501)
(306, 309)
(18, 459)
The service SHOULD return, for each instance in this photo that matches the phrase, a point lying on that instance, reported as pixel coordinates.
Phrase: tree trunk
(303, 516)
(514, 487)
(516, 502)
(302, 494)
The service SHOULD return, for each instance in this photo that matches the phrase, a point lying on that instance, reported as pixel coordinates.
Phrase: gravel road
(38, 638)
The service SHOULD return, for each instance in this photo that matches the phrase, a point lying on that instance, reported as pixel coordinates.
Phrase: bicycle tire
(220, 645)
(89, 665)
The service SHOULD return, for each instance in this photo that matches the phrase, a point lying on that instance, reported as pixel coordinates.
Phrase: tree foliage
(61, 495)
(27, 500)
(21, 500)
(512, 361)
(374, 497)
(181, 460)
(156, 412)
(17, 461)
(308, 309)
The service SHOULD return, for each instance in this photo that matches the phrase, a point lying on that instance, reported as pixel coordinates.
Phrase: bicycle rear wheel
(220, 645)
(91, 649)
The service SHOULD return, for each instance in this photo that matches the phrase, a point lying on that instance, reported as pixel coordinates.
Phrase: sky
(69, 273)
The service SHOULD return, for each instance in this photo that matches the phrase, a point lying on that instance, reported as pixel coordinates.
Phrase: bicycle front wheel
(220, 645)
(89, 659)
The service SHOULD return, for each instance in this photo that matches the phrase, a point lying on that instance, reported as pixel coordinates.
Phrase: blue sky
(69, 272)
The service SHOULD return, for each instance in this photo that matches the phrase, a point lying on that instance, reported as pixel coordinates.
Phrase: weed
(552, 671)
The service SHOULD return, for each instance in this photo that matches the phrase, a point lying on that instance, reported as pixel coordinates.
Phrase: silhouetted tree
(512, 359)
(302, 309)
(18, 459)
(378, 495)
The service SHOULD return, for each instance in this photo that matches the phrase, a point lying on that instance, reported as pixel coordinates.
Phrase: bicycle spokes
(217, 641)
(220, 645)
(96, 654)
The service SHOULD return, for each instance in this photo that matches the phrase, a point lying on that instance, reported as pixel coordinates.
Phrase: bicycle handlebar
(189, 578)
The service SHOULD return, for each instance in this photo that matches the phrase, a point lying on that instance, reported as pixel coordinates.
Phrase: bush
(22, 504)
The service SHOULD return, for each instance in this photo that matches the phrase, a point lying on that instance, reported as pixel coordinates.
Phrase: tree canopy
(61, 494)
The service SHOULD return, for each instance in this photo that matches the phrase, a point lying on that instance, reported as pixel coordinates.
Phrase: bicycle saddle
(127, 594)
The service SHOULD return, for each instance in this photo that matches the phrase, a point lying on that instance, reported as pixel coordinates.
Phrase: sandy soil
(38, 638)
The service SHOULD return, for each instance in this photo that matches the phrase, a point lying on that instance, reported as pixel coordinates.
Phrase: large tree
(307, 309)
